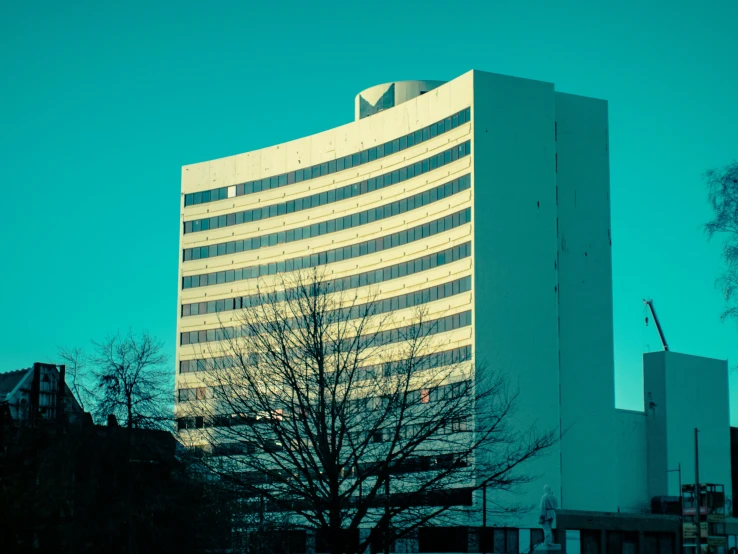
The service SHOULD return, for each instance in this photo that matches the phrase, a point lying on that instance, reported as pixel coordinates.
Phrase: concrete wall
(654, 391)
(631, 461)
(585, 302)
(514, 213)
(684, 392)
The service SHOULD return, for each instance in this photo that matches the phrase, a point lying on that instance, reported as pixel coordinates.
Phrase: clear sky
(101, 103)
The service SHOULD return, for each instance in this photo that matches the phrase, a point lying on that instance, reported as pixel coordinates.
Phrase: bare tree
(77, 376)
(132, 380)
(325, 407)
(722, 186)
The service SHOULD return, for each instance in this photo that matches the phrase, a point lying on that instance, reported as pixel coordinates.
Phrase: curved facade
(491, 188)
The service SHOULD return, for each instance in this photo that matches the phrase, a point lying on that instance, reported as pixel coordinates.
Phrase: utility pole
(697, 488)
(387, 516)
(484, 514)
(484, 505)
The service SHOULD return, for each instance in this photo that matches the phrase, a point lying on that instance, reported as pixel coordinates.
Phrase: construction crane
(649, 303)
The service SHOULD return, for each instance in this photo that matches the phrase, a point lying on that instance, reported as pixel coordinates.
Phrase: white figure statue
(548, 505)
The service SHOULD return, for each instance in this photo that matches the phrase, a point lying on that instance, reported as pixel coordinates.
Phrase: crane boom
(649, 303)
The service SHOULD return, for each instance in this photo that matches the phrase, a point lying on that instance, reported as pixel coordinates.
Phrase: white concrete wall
(688, 392)
(631, 461)
(654, 392)
(514, 214)
(585, 303)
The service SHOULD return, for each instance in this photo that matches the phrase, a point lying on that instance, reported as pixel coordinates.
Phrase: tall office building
(489, 188)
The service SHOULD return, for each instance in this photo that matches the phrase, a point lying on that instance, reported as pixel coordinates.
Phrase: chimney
(33, 413)
(112, 420)
(60, 393)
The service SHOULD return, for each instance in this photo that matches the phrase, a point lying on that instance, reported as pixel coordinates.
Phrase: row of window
(420, 396)
(400, 302)
(455, 425)
(387, 305)
(437, 359)
(410, 431)
(328, 197)
(332, 226)
(421, 363)
(367, 278)
(222, 420)
(195, 393)
(420, 463)
(385, 369)
(431, 327)
(333, 166)
(335, 255)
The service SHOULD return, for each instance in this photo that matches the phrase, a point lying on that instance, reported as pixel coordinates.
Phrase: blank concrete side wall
(631, 461)
(585, 302)
(655, 403)
(697, 396)
(514, 223)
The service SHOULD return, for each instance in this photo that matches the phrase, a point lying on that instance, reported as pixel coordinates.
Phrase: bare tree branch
(131, 380)
(331, 409)
(722, 187)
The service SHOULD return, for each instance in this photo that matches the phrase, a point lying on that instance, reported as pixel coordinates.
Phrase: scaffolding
(705, 512)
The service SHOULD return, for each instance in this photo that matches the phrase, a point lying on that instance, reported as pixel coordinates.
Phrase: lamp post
(697, 489)
(681, 502)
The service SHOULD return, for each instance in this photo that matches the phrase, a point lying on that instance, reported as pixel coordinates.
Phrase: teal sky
(101, 103)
